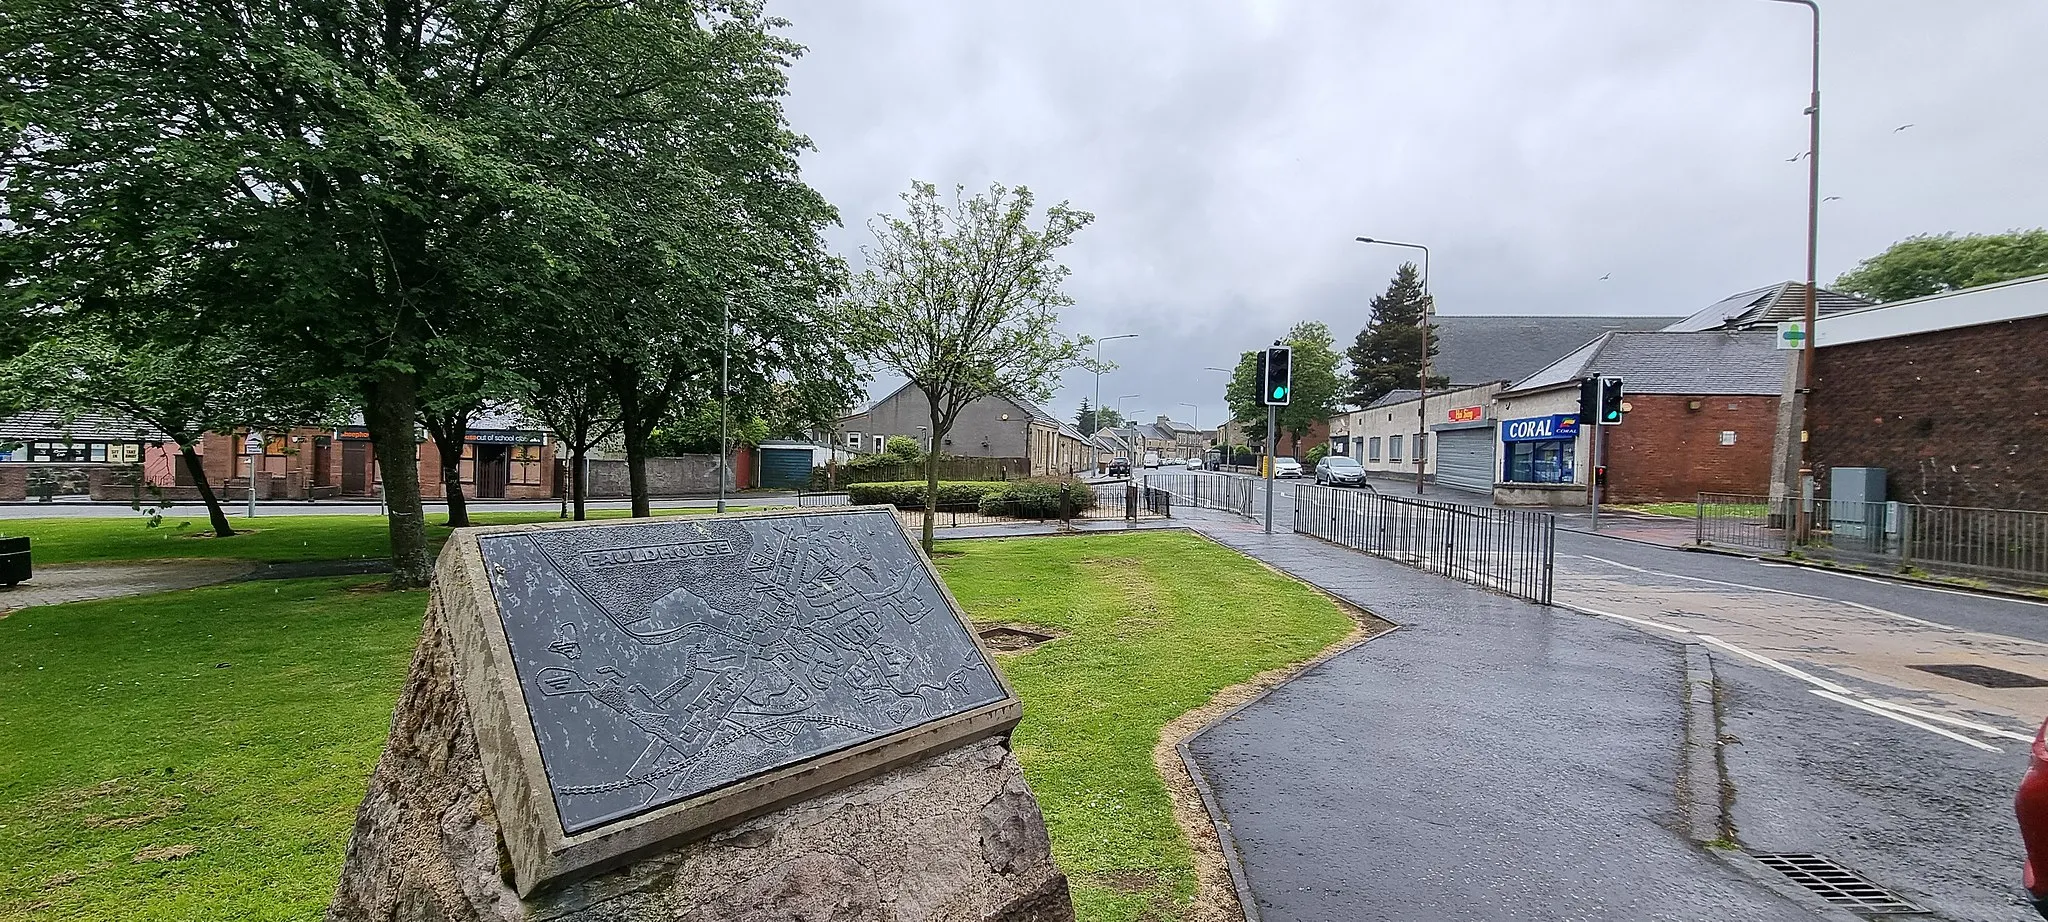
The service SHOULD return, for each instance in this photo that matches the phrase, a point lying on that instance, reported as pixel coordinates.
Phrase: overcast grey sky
(1231, 150)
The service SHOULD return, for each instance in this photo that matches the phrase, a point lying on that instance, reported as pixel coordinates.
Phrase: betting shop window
(1539, 462)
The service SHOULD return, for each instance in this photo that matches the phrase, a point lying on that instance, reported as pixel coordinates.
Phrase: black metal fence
(2005, 545)
(1511, 551)
(1230, 494)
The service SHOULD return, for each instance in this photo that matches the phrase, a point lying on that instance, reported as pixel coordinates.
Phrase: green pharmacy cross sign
(1791, 334)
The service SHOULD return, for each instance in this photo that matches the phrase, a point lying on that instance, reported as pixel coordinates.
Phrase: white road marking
(1792, 671)
(1817, 598)
(1906, 585)
(1645, 622)
(1901, 718)
(1822, 687)
(1951, 721)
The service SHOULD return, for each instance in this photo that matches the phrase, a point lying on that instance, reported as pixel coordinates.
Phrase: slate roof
(86, 427)
(1662, 362)
(1038, 414)
(1478, 349)
(1765, 307)
(1397, 395)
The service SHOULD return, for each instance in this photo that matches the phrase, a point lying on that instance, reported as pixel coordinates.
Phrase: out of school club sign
(1540, 428)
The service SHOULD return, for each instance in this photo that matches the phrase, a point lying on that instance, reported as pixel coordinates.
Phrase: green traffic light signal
(1279, 393)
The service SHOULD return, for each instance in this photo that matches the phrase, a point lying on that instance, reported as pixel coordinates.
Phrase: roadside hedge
(1036, 499)
(909, 494)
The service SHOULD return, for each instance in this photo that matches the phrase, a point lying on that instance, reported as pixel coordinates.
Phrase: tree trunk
(448, 441)
(197, 468)
(578, 490)
(390, 404)
(636, 477)
(931, 479)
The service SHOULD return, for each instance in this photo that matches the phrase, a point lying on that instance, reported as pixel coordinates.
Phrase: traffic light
(1276, 376)
(1610, 402)
(1589, 399)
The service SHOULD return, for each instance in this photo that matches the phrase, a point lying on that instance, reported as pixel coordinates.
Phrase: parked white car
(1194, 464)
(1151, 459)
(1286, 467)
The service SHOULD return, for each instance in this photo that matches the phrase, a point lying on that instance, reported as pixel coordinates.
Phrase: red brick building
(1701, 414)
(1948, 394)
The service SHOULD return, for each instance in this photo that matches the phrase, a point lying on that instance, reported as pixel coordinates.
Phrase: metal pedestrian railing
(2005, 545)
(1229, 494)
(1511, 551)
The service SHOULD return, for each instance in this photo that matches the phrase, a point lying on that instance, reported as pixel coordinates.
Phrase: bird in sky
(1831, 198)
(1795, 158)
(1902, 128)
(1605, 277)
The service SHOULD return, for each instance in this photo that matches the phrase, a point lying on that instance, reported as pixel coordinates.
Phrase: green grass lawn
(271, 539)
(241, 722)
(1691, 510)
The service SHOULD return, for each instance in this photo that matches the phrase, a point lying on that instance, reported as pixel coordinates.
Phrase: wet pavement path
(81, 582)
(1489, 760)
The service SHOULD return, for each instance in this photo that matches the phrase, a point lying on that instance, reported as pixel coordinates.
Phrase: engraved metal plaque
(663, 660)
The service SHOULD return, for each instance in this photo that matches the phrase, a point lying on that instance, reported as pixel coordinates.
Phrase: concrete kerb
(1703, 792)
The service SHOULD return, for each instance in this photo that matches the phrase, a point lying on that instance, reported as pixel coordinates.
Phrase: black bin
(14, 565)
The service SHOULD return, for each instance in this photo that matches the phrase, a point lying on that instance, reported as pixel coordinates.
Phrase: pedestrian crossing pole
(1272, 452)
(1593, 476)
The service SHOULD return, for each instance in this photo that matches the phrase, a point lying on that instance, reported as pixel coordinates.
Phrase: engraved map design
(666, 659)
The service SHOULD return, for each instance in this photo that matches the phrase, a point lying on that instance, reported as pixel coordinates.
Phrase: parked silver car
(1340, 471)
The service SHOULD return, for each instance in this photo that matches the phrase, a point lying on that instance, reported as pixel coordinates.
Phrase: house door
(355, 467)
(323, 459)
(493, 468)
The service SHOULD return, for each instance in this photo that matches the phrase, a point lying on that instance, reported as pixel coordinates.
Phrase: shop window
(1372, 448)
(1394, 449)
(1421, 446)
(1539, 462)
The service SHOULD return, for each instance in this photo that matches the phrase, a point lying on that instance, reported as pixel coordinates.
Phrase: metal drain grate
(1836, 884)
(1987, 676)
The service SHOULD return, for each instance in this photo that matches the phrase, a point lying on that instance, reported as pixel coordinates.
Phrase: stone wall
(683, 475)
(1955, 417)
(13, 483)
(1666, 450)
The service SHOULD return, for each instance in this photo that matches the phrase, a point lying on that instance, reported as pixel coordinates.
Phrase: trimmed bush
(1037, 499)
(1316, 456)
(909, 494)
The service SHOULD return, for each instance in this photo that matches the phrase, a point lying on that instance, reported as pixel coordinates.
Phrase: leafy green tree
(1387, 353)
(182, 385)
(1314, 394)
(963, 300)
(1086, 419)
(1931, 264)
(579, 407)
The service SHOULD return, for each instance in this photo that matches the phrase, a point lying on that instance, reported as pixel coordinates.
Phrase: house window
(1373, 449)
(1394, 449)
(526, 465)
(853, 441)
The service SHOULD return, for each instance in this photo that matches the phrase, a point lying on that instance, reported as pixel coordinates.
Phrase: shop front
(1539, 461)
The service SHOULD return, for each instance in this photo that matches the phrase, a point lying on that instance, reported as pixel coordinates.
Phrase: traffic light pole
(1272, 453)
(1593, 476)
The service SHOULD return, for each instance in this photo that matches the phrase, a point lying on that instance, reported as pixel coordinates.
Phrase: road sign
(253, 445)
(1791, 334)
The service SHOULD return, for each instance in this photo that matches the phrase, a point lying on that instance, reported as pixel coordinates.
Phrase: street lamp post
(1098, 377)
(1422, 378)
(1799, 396)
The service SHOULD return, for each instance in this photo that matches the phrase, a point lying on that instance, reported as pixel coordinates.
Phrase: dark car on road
(1121, 467)
(1340, 471)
